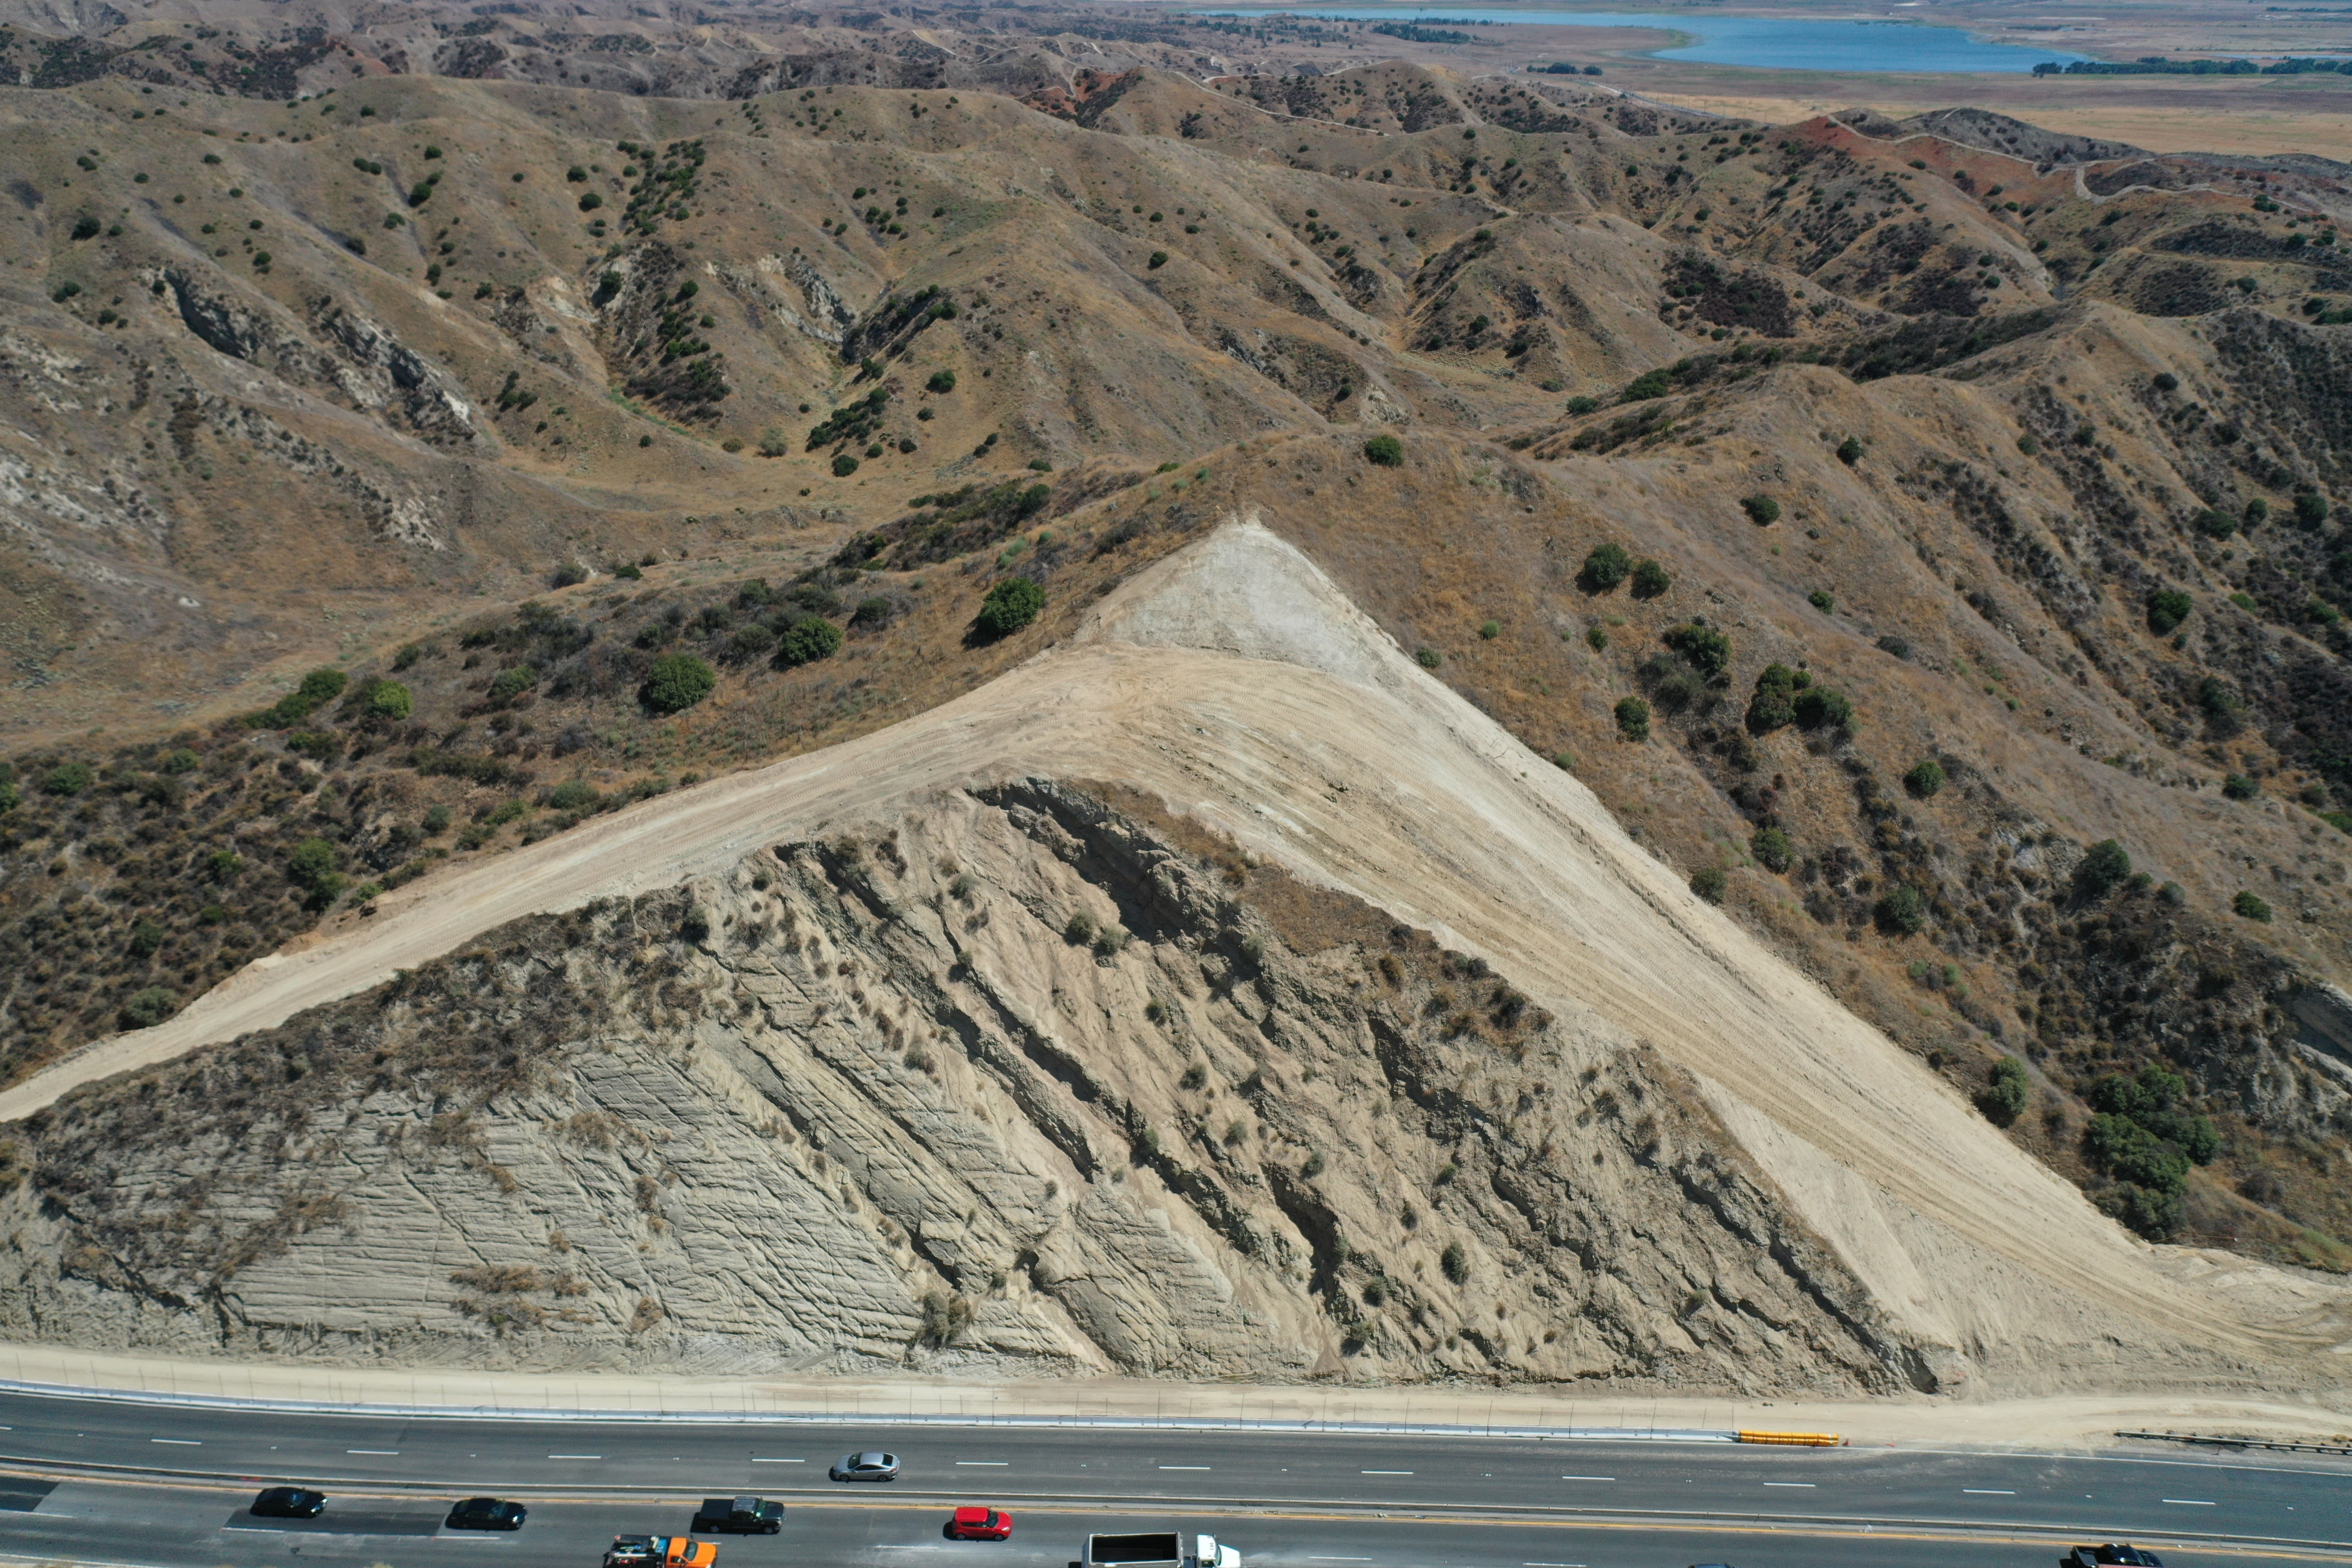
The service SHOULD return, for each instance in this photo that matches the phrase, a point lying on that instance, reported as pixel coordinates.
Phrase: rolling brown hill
(2026, 451)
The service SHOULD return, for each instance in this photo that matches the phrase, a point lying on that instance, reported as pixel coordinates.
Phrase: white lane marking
(1339, 1560)
(178, 1442)
(760, 1461)
(1587, 1477)
(983, 1464)
(2191, 1502)
(1551, 1565)
(575, 1456)
(1807, 1484)
(1185, 1468)
(394, 1452)
(1385, 1472)
(1985, 1491)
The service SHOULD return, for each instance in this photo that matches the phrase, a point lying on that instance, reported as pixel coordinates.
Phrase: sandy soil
(1235, 680)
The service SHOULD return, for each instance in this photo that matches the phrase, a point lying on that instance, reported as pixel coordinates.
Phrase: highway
(162, 1486)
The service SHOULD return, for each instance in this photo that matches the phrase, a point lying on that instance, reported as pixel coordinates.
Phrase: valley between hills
(818, 696)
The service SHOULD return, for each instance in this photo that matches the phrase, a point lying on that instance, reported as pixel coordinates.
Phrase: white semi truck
(1170, 1549)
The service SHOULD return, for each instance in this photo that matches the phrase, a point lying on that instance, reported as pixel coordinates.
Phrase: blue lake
(1771, 42)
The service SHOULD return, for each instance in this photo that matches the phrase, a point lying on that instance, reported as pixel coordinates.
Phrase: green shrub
(68, 779)
(1454, 1262)
(2167, 608)
(2005, 1095)
(1901, 911)
(1649, 579)
(2238, 786)
(1762, 511)
(1604, 568)
(86, 226)
(391, 699)
(1595, 638)
(1013, 604)
(11, 798)
(223, 864)
(1386, 451)
(2250, 906)
(436, 820)
(590, 201)
(1159, 259)
(2216, 524)
(1080, 929)
(1925, 779)
(1773, 849)
(844, 465)
(2102, 869)
(2310, 508)
(1816, 706)
(509, 684)
(2130, 1153)
(1709, 882)
(677, 682)
(1708, 650)
(146, 937)
(2154, 1214)
(1429, 657)
(179, 760)
(311, 867)
(317, 689)
(1489, 630)
(1822, 600)
(1633, 718)
(149, 1007)
(941, 381)
(695, 926)
(1774, 703)
(807, 640)
(1849, 452)
(573, 794)
(629, 571)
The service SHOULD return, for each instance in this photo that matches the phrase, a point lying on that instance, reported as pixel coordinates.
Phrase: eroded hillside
(1005, 1078)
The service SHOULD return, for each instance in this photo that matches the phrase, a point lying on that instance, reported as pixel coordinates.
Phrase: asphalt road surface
(165, 1487)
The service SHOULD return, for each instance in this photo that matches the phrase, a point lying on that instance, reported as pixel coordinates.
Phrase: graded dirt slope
(1235, 683)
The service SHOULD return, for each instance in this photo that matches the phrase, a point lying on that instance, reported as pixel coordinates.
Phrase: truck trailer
(1157, 1549)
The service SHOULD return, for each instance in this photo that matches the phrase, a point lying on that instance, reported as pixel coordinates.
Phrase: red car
(980, 1524)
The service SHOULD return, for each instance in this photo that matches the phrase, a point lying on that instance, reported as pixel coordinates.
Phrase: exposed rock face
(1011, 1077)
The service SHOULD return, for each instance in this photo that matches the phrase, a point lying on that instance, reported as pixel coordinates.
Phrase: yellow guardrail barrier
(1794, 1439)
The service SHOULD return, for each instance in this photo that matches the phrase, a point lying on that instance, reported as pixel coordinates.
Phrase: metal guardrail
(1794, 1439)
(2343, 1449)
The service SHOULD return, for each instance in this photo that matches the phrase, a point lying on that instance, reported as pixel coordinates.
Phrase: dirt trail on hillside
(1235, 682)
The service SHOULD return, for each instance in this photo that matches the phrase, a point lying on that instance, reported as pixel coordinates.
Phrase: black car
(865, 1468)
(289, 1502)
(2116, 1552)
(737, 1516)
(487, 1513)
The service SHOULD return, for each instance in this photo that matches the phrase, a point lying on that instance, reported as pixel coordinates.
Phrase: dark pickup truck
(737, 1516)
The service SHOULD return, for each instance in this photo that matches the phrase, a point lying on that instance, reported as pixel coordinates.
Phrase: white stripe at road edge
(1385, 1472)
(1984, 1491)
(982, 1464)
(760, 1461)
(1808, 1485)
(178, 1442)
(2191, 1502)
(1183, 1467)
(1587, 1477)
(575, 1456)
(395, 1453)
